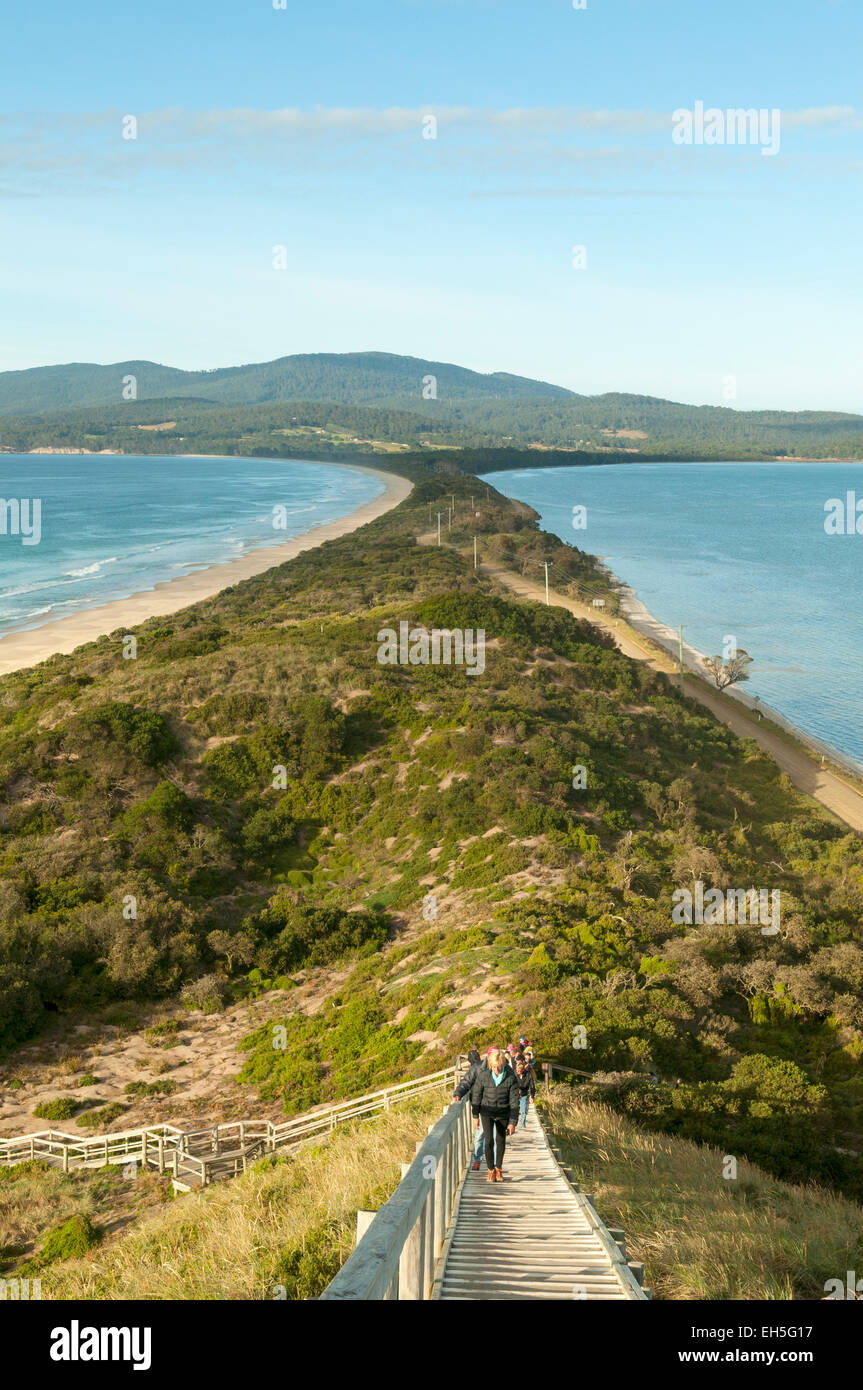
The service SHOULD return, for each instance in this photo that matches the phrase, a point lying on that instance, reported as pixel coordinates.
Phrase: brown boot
(490, 1177)
(498, 1175)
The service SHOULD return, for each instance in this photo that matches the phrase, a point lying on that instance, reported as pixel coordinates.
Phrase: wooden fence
(397, 1255)
(549, 1068)
(401, 1250)
(197, 1157)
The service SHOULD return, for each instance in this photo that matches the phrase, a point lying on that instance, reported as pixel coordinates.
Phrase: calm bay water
(114, 526)
(733, 548)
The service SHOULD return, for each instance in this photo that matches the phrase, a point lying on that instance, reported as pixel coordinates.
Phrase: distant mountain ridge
(352, 378)
(366, 401)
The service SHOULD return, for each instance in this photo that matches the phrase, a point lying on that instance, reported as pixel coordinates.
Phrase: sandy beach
(642, 620)
(20, 649)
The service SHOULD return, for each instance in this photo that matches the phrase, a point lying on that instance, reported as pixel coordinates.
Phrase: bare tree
(617, 981)
(238, 948)
(624, 862)
(697, 862)
(729, 672)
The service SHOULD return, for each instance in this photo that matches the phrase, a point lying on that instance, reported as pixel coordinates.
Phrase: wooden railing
(396, 1257)
(549, 1068)
(399, 1248)
(70, 1151)
(630, 1273)
(333, 1115)
(200, 1152)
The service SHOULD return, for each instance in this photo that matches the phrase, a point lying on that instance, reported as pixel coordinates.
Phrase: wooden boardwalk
(531, 1236)
(196, 1158)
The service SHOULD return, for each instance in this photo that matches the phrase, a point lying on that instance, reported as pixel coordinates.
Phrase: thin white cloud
(822, 117)
(612, 193)
(86, 148)
(178, 123)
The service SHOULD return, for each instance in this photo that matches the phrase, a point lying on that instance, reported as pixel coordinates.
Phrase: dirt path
(201, 1059)
(824, 785)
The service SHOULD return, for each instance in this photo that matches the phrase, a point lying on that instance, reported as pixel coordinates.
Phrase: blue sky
(711, 269)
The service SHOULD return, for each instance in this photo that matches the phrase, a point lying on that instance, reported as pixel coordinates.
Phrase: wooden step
(529, 1236)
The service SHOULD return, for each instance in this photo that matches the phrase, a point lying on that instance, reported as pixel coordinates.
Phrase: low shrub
(150, 1088)
(70, 1240)
(97, 1119)
(304, 1270)
(162, 1030)
(61, 1109)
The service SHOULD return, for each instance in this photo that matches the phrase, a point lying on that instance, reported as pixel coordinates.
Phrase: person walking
(526, 1090)
(495, 1105)
(466, 1083)
(463, 1089)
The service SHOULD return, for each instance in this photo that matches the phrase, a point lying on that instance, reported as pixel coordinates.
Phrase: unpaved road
(824, 785)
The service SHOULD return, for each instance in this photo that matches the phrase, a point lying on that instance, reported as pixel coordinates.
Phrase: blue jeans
(523, 1103)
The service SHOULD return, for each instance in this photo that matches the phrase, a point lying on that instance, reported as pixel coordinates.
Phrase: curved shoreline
(792, 752)
(635, 614)
(60, 636)
(640, 618)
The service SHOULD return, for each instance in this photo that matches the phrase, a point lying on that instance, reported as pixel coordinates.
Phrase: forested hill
(342, 404)
(352, 378)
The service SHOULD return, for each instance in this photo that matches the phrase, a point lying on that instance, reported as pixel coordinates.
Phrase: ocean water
(112, 526)
(733, 549)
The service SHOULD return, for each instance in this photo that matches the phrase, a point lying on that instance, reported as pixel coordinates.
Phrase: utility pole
(546, 583)
(474, 552)
(449, 520)
(438, 528)
(680, 648)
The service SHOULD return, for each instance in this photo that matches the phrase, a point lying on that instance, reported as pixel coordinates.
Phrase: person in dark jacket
(465, 1086)
(495, 1103)
(463, 1089)
(526, 1090)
